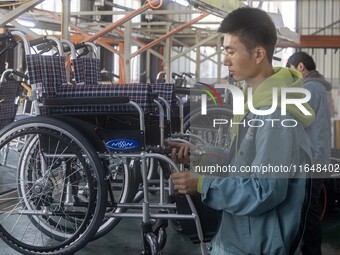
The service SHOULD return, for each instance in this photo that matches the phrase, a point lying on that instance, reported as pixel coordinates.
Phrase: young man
(262, 213)
(319, 135)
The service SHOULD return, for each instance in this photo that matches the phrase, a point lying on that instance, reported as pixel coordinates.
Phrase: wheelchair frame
(91, 161)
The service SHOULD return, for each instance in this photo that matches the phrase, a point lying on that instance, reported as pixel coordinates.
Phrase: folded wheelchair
(87, 154)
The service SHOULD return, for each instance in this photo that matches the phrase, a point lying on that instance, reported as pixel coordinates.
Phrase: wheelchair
(83, 160)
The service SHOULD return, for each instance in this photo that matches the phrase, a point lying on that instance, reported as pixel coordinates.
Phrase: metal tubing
(146, 211)
(145, 178)
(153, 181)
(198, 43)
(100, 42)
(66, 17)
(141, 115)
(162, 38)
(167, 107)
(73, 49)
(121, 21)
(161, 186)
(181, 114)
(151, 155)
(127, 51)
(3, 75)
(110, 13)
(58, 43)
(155, 53)
(151, 205)
(151, 168)
(16, 12)
(24, 40)
(161, 121)
(152, 215)
(94, 49)
(198, 225)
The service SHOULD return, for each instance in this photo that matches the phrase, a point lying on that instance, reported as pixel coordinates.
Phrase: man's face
(240, 62)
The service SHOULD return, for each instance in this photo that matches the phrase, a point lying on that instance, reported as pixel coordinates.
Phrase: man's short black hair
(254, 27)
(301, 57)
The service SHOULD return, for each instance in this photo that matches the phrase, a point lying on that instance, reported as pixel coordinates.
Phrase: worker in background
(262, 213)
(319, 135)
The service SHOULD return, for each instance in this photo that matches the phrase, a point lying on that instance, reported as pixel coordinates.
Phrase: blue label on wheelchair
(122, 144)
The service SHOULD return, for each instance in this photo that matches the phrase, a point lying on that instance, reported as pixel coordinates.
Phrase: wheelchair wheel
(202, 125)
(53, 187)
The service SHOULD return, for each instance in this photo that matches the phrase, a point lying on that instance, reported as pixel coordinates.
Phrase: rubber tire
(213, 112)
(151, 244)
(85, 233)
(162, 236)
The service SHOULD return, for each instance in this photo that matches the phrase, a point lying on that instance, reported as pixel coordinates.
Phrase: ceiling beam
(18, 11)
(153, 12)
(202, 42)
(119, 6)
(314, 41)
(141, 44)
(121, 21)
(21, 27)
(172, 32)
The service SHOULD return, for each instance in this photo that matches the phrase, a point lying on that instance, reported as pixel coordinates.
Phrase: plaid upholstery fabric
(92, 70)
(34, 68)
(9, 90)
(47, 71)
(138, 92)
(78, 70)
(165, 90)
(54, 73)
(86, 71)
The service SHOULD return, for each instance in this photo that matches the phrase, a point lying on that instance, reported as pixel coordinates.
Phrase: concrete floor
(125, 240)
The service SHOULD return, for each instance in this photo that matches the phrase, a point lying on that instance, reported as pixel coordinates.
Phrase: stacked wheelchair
(73, 170)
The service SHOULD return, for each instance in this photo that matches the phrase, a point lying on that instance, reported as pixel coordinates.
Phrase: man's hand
(185, 182)
(181, 152)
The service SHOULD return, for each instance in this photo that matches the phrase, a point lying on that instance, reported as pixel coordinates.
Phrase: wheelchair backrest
(86, 71)
(8, 92)
(47, 72)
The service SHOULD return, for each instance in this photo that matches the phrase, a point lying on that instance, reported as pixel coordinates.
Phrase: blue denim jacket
(319, 133)
(261, 211)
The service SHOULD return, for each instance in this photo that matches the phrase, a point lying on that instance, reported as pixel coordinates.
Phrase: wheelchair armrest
(85, 101)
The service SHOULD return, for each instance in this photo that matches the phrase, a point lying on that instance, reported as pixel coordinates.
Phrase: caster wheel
(161, 236)
(151, 244)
